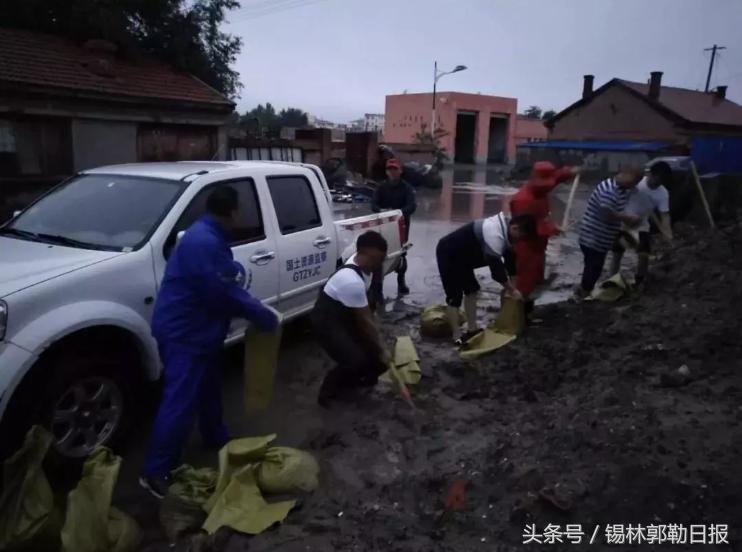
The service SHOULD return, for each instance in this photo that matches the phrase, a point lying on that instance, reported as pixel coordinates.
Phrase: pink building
(481, 129)
(529, 130)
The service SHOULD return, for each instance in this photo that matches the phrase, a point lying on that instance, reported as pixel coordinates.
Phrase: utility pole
(435, 82)
(713, 49)
(437, 75)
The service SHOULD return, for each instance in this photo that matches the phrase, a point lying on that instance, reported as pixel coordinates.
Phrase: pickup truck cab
(80, 270)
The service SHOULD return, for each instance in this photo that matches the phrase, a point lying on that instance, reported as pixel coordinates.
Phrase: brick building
(65, 107)
(529, 130)
(480, 128)
(625, 110)
(629, 122)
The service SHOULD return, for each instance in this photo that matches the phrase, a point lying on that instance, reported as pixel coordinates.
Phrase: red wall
(529, 130)
(405, 113)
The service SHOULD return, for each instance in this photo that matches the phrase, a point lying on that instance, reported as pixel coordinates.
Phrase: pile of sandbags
(233, 496)
(34, 517)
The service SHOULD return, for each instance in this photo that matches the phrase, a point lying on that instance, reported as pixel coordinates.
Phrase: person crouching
(485, 242)
(345, 326)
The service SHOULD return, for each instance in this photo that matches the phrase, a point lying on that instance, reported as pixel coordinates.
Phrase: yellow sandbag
(241, 506)
(182, 509)
(288, 470)
(406, 360)
(235, 455)
(124, 533)
(434, 322)
(485, 342)
(91, 525)
(261, 359)
(508, 324)
(611, 290)
(511, 318)
(28, 517)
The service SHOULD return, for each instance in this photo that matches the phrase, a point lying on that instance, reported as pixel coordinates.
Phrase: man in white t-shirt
(344, 324)
(484, 242)
(650, 196)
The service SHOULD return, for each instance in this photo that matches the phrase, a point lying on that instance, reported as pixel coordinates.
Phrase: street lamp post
(436, 76)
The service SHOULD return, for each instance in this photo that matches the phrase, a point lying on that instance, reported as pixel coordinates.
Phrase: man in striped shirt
(601, 224)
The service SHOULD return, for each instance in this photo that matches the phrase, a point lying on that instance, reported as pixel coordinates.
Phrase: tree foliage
(184, 33)
(266, 121)
(533, 112)
(424, 136)
(548, 114)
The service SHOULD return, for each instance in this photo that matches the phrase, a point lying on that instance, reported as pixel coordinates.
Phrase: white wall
(96, 143)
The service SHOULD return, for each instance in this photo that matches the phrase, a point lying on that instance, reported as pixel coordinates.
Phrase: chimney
(587, 86)
(721, 92)
(655, 83)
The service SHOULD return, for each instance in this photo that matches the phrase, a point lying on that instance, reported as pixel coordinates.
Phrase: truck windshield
(98, 211)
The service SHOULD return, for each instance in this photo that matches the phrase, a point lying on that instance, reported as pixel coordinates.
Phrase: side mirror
(170, 244)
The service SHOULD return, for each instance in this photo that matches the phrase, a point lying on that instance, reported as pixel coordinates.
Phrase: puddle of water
(467, 194)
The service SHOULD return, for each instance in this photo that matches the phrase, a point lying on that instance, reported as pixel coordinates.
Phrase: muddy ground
(586, 407)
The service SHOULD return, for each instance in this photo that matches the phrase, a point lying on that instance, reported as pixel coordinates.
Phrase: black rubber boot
(331, 388)
(402, 285)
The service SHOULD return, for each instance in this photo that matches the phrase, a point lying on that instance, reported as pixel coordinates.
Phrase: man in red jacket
(533, 199)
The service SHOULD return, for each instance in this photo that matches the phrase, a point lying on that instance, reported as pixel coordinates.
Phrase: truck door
(251, 245)
(305, 240)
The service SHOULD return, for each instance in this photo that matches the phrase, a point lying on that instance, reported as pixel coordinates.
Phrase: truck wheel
(88, 404)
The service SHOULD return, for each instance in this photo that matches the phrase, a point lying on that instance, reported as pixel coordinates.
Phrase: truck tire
(88, 404)
(82, 398)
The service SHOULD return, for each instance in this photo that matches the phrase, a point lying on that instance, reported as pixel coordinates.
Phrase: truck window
(295, 204)
(250, 220)
(100, 211)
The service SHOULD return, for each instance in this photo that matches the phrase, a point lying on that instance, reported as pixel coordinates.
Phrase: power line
(713, 49)
(278, 8)
(261, 5)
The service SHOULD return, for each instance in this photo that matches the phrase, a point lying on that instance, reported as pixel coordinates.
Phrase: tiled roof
(693, 105)
(46, 60)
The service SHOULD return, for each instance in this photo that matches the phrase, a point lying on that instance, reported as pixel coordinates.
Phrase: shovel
(397, 377)
(570, 200)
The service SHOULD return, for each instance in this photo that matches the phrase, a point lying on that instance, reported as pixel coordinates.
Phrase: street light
(437, 75)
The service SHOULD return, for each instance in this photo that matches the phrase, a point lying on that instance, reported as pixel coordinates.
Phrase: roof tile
(47, 60)
(694, 105)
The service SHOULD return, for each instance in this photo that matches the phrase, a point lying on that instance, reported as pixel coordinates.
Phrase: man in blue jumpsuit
(199, 296)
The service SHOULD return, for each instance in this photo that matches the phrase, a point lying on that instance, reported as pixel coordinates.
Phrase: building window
(35, 147)
(175, 143)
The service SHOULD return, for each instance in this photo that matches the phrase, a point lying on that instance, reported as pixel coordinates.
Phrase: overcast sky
(338, 59)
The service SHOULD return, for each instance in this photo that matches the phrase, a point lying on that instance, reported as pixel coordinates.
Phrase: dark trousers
(594, 261)
(355, 364)
(376, 289)
(192, 386)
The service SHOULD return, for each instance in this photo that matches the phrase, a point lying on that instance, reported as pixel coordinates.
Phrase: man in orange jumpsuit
(533, 199)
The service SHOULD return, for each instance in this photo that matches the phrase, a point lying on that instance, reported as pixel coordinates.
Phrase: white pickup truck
(80, 269)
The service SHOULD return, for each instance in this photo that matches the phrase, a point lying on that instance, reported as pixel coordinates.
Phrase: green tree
(424, 136)
(533, 112)
(548, 114)
(184, 33)
(293, 117)
(265, 121)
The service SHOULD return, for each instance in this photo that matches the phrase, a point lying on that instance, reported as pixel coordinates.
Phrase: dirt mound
(602, 414)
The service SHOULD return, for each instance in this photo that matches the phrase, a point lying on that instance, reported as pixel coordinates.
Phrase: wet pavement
(467, 194)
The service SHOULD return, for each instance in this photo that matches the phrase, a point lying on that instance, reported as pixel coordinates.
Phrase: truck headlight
(3, 319)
